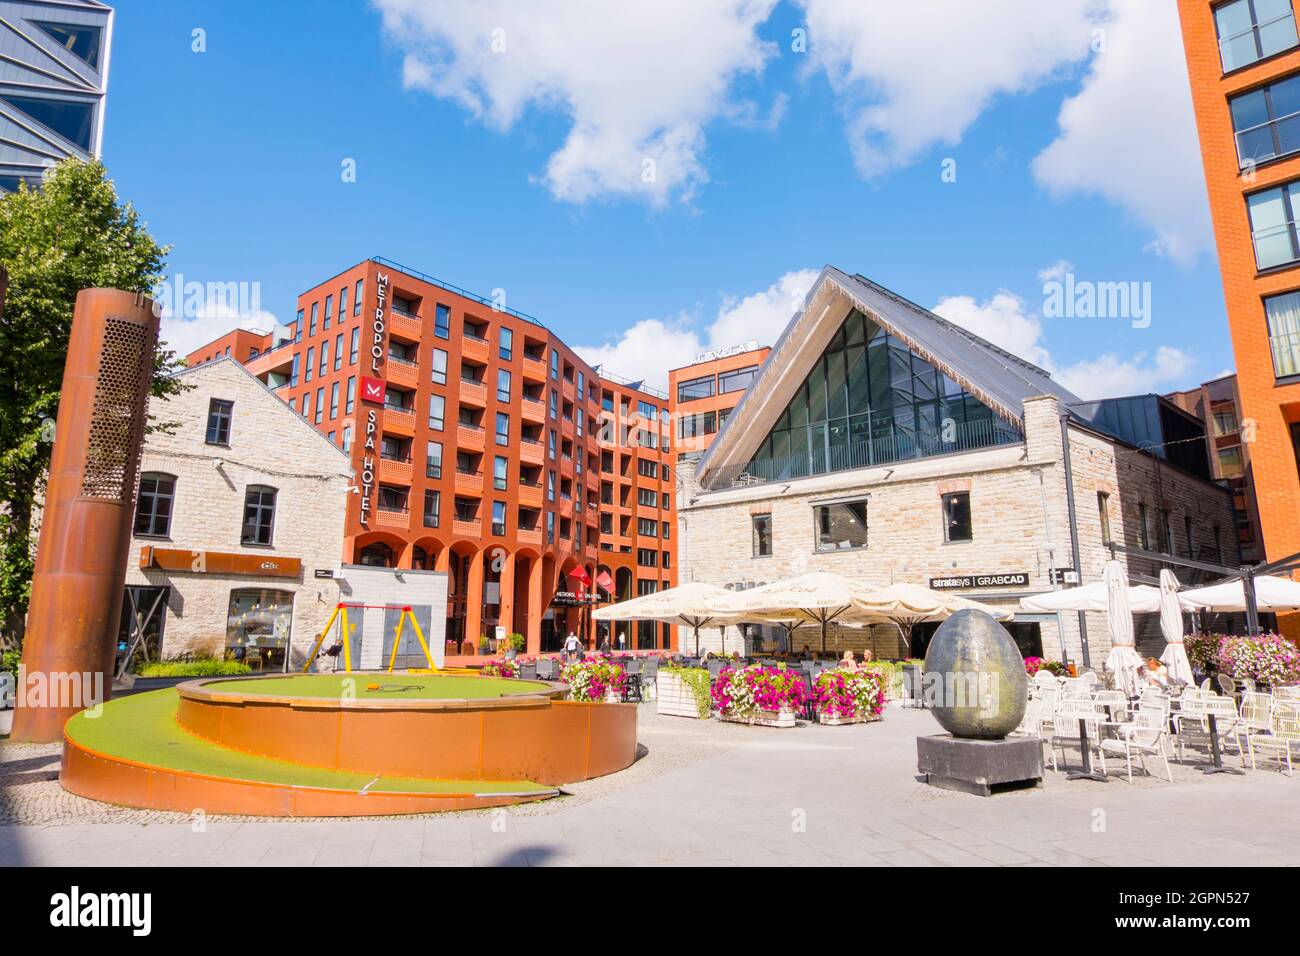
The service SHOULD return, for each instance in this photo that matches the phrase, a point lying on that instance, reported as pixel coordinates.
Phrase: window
(690, 426)
(433, 460)
(306, 405)
(554, 403)
(315, 308)
(500, 472)
(343, 305)
(1283, 314)
(647, 558)
(352, 348)
(1272, 226)
(647, 497)
(311, 364)
(71, 120)
(1266, 121)
(762, 528)
(498, 517)
(1144, 534)
(219, 414)
(666, 503)
(80, 40)
(320, 404)
(347, 438)
(1103, 512)
(1250, 30)
(329, 312)
(153, 505)
(1225, 422)
(648, 527)
(432, 504)
(324, 358)
(555, 364)
(667, 531)
(259, 515)
(737, 380)
(505, 343)
(841, 525)
(956, 517)
(334, 400)
(550, 486)
(442, 321)
(1231, 464)
(1187, 530)
(356, 299)
(258, 624)
(439, 367)
(437, 411)
(503, 385)
(550, 444)
(550, 527)
(503, 429)
(695, 388)
(351, 400)
(338, 351)
(578, 418)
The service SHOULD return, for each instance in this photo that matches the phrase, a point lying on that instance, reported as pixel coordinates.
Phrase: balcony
(592, 480)
(473, 347)
(470, 437)
(469, 483)
(278, 359)
(395, 470)
(530, 496)
(534, 370)
(399, 420)
(402, 372)
(529, 535)
(398, 519)
(472, 393)
(403, 325)
(531, 451)
(532, 410)
(469, 528)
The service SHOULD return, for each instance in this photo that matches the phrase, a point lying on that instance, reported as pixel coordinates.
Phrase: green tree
(71, 234)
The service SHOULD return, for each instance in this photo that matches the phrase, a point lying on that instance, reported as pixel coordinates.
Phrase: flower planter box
(835, 721)
(674, 696)
(765, 718)
(612, 698)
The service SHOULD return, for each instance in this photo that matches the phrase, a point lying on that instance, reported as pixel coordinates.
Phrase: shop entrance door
(140, 633)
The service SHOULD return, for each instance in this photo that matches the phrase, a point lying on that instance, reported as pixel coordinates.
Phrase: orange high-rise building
(485, 447)
(1243, 58)
(703, 394)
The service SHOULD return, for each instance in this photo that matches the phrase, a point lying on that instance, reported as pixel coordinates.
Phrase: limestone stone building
(884, 443)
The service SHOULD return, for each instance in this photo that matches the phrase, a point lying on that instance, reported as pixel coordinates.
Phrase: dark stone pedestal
(981, 767)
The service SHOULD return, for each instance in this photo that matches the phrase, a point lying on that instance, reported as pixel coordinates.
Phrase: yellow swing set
(340, 616)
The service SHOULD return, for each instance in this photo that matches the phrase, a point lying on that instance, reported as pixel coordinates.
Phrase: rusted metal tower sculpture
(76, 601)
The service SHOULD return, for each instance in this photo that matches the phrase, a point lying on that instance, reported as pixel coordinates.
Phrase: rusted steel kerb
(76, 600)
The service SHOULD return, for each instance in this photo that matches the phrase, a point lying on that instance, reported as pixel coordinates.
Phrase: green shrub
(10, 659)
(202, 667)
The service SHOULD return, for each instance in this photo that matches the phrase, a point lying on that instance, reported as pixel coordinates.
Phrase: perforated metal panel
(125, 361)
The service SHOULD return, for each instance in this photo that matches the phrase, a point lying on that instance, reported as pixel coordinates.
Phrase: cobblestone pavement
(708, 793)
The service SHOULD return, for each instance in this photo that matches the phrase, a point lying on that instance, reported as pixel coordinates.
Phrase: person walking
(572, 648)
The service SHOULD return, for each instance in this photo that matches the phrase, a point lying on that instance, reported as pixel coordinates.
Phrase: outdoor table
(1216, 753)
(1087, 773)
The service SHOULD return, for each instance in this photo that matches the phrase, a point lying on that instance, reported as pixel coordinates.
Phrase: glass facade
(870, 400)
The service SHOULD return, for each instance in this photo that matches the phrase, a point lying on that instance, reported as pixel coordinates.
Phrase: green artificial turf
(143, 728)
(399, 686)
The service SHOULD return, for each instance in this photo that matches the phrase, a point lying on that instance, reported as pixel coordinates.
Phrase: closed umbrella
(1123, 660)
(694, 604)
(1171, 623)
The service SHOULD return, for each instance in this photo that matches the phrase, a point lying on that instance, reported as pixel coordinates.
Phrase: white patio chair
(1112, 702)
(1287, 693)
(1283, 738)
(1194, 726)
(1205, 684)
(1145, 736)
(1065, 726)
(1256, 712)
(1037, 723)
(1046, 679)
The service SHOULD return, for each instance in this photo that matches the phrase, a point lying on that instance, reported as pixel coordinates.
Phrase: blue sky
(770, 161)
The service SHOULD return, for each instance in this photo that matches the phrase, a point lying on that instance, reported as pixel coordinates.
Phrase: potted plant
(767, 696)
(683, 691)
(849, 696)
(595, 680)
(513, 644)
(1270, 660)
(502, 668)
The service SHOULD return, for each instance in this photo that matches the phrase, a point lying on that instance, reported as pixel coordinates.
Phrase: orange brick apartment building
(483, 446)
(703, 394)
(1243, 59)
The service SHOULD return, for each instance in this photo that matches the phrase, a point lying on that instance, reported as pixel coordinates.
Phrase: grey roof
(999, 379)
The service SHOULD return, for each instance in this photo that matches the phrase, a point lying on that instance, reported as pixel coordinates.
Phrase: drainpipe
(1074, 531)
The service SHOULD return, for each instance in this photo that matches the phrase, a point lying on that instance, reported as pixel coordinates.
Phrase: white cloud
(213, 318)
(1130, 134)
(640, 82)
(1057, 271)
(652, 347)
(1005, 321)
(913, 75)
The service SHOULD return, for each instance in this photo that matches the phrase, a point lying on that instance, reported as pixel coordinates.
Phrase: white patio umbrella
(1171, 623)
(694, 604)
(1092, 597)
(1272, 593)
(916, 604)
(818, 597)
(1123, 660)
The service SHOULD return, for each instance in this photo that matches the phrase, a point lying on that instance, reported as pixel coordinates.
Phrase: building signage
(380, 324)
(367, 476)
(714, 354)
(569, 599)
(324, 572)
(373, 390)
(217, 562)
(999, 579)
(1065, 576)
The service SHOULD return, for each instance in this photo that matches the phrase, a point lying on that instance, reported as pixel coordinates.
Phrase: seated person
(847, 662)
(1154, 674)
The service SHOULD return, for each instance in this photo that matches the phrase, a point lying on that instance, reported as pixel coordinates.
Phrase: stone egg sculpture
(974, 679)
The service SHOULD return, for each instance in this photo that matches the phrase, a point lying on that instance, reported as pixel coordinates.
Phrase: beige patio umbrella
(1123, 660)
(1171, 623)
(916, 604)
(694, 604)
(818, 597)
